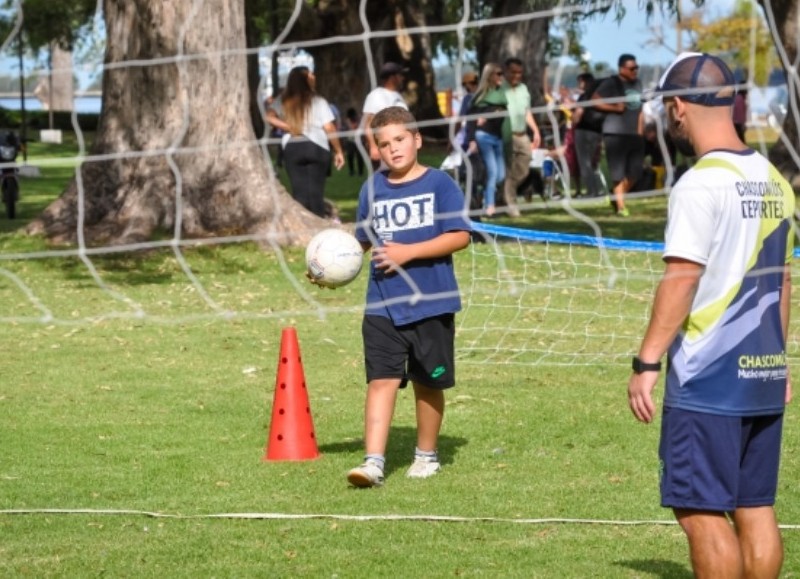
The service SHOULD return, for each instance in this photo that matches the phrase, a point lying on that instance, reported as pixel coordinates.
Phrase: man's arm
(537, 136)
(671, 307)
(600, 100)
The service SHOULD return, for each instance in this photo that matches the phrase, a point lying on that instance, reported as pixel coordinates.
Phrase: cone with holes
(291, 432)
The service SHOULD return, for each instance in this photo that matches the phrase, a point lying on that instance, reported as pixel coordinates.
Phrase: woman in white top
(309, 132)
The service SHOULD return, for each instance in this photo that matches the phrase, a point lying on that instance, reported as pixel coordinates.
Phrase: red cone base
(291, 433)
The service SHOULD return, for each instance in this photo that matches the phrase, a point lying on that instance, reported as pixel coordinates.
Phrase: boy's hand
(392, 255)
(315, 281)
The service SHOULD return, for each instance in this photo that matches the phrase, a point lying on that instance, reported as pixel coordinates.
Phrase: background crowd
(602, 138)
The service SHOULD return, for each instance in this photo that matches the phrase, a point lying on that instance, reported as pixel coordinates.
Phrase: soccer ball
(334, 258)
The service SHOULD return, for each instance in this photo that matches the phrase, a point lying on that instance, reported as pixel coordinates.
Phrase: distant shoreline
(84, 103)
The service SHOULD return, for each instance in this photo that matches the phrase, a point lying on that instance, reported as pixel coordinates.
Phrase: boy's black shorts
(423, 352)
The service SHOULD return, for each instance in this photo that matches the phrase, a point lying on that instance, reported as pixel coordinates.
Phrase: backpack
(592, 118)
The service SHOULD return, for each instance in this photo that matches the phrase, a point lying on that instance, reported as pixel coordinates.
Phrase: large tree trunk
(175, 149)
(56, 90)
(525, 39)
(341, 69)
(412, 50)
(254, 71)
(783, 15)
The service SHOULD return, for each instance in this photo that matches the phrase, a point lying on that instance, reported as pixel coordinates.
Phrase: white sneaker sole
(360, 479)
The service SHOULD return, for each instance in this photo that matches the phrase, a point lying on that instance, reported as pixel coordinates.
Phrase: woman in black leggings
(310, 132)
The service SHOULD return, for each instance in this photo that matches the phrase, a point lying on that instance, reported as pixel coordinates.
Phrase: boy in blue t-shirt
(414, 218)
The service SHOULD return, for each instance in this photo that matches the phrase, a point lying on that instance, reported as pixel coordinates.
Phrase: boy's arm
(391, 255)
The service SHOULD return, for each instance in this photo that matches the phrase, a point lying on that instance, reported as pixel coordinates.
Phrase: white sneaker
(423, 467)
(367, 475)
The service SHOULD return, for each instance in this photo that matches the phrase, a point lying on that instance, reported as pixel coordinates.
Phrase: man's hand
(640, 399)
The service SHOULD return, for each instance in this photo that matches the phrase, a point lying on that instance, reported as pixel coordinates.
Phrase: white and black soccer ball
(334, 258)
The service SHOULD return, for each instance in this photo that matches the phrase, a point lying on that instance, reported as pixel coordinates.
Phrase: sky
(605, 39)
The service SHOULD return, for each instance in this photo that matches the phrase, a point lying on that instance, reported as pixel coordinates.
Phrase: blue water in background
(84, 104)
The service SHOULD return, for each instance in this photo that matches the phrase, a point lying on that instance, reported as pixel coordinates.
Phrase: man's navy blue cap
(698, 78)
(391, 68)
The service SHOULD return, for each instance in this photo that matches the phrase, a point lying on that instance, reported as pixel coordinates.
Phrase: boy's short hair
(394, 116)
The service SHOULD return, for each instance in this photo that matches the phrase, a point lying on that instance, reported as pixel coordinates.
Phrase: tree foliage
(46, 21)
(741, 37)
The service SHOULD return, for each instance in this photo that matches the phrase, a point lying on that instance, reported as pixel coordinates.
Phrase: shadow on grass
(400, 450)
(159, 266)
(658, 568)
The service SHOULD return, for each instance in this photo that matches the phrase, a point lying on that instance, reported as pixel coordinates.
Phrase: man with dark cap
(721, 314)
(387, 94)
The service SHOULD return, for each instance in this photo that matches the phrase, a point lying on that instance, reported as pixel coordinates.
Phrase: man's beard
(678, 134)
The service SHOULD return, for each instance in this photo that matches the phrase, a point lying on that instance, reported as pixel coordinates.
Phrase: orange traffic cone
(291, 433)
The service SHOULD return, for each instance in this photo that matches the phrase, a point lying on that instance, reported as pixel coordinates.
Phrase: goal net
(530, 297)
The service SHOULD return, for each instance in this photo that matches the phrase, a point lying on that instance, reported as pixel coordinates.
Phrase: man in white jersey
(387, 94)
(721, 313)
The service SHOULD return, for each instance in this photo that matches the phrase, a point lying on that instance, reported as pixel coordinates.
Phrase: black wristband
(638, 366)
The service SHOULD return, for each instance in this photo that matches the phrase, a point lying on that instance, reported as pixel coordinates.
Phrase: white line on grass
(290, 516)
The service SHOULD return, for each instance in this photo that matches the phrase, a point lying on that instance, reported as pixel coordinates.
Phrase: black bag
(592, 118)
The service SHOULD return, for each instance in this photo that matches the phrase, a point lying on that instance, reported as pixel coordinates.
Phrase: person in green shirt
(520, 120)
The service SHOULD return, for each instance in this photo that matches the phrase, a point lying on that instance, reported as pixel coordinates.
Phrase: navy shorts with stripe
(718, 463)
(423, 352)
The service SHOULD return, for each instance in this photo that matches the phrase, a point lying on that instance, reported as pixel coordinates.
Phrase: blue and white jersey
(410, 212)
(732, 213)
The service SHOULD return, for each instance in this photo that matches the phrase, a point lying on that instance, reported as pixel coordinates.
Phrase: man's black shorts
(625, 156)
(423, 352)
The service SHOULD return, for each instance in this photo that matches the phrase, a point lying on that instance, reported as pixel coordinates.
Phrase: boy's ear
(418, 140)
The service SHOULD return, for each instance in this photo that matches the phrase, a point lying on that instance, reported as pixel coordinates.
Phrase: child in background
(414, 218)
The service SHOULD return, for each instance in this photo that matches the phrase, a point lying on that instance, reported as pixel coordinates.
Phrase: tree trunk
(414, 51)
(55, 91)
(783, 22)
(341, 69)
(524, 39)
(254, 72)
(175, 150)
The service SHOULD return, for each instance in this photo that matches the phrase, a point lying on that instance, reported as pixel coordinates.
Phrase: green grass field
(132, 445)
